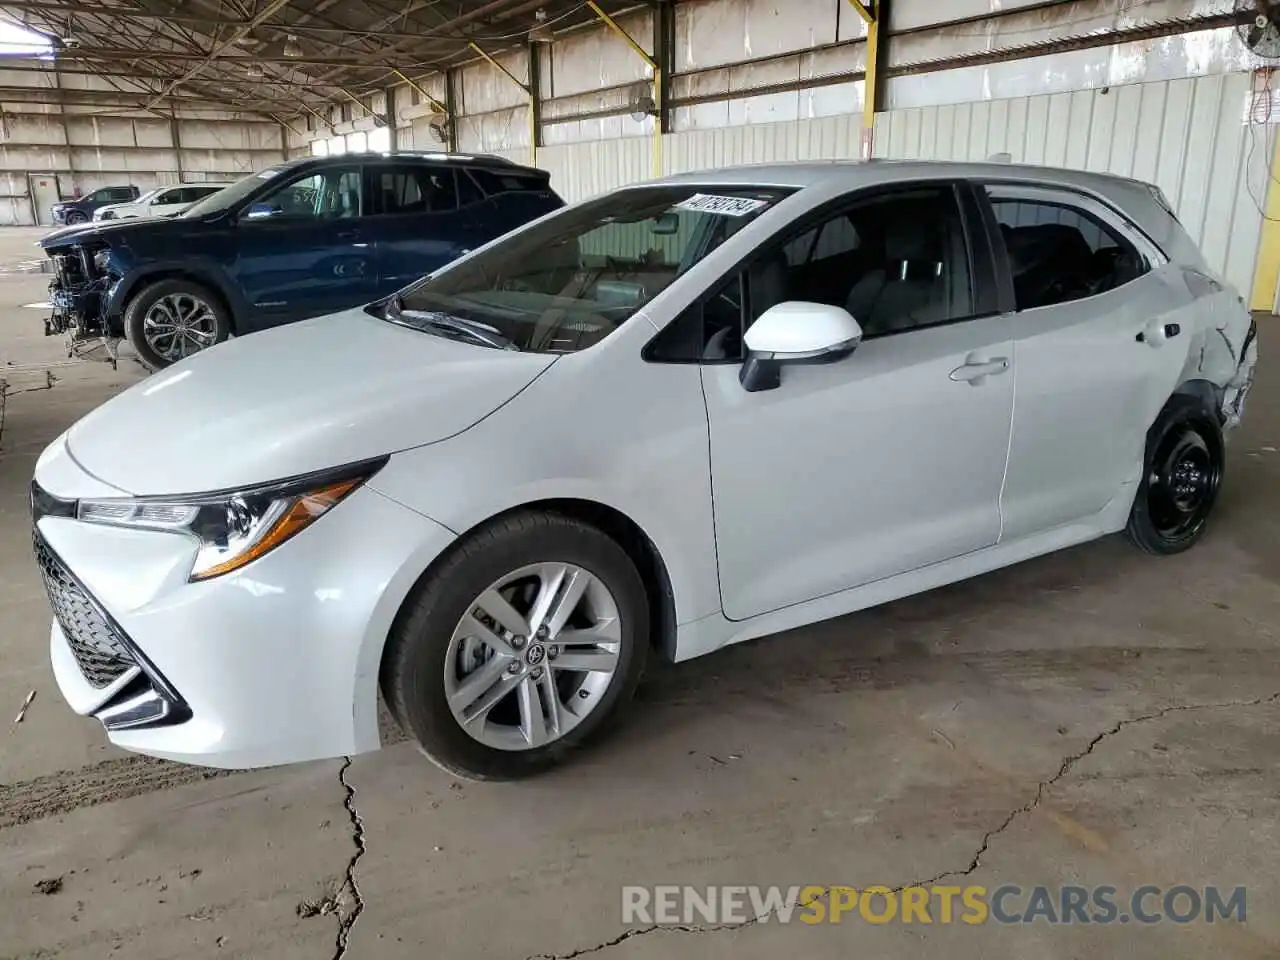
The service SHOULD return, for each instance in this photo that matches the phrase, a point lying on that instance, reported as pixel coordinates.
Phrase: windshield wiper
(480, 332)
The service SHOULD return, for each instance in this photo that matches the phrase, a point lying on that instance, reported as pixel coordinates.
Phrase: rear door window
(414, 188)
(1059, 252)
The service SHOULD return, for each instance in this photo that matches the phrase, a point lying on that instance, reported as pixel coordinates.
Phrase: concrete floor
(1094, 717)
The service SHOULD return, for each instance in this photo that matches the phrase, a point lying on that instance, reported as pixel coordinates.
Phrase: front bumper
(275, 663)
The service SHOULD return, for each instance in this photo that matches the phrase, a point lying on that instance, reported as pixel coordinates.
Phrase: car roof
(856, 173)
(462, 159)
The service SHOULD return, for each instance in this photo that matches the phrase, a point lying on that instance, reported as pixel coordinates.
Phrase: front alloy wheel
(173, 319)
(529, 639)
(178, 325)
(533, 657)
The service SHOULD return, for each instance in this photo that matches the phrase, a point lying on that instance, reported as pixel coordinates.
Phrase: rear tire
(495, 697)
(170, 320)
(1183, 468)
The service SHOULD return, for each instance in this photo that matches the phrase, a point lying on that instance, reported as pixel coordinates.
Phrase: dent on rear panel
(1225, 354)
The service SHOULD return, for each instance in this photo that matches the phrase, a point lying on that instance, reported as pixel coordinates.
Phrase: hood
(288, 401)
(100, 229)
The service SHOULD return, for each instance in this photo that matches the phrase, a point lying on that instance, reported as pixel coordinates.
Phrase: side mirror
(796, 332)
(261, 211)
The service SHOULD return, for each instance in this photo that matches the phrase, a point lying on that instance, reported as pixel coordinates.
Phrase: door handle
(349, 235)
(975, 371)
(1155, 334)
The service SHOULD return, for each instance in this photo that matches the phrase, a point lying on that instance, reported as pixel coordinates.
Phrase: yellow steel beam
(1266, 277)
(510, 76)
(288, 126)
(863, 12)
(357, 101)
(871, 81)
(644, 55)
(533, 114)
(317, 114)
(422, 93)
(612, 24)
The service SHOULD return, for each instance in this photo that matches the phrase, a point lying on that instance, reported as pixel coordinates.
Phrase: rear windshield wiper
(480, 332)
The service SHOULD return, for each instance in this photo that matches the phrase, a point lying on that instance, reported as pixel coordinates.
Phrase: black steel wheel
(1185, 462)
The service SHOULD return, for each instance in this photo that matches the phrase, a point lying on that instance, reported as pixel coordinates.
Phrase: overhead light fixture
(291, 46)
(541, 33)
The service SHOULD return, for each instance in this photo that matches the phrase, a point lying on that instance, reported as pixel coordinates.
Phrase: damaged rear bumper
(1236, 391)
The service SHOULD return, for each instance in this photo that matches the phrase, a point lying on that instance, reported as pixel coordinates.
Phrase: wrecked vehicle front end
(79, 293)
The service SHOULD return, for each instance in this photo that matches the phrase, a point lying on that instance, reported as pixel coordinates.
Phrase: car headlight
(235, 528)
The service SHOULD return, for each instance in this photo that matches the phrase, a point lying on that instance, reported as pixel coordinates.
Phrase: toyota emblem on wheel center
(536, 654)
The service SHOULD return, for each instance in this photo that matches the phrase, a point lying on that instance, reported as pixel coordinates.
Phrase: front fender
(201, 270)
(463, 482)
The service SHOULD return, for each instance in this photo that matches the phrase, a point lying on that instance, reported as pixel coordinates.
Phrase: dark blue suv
(71, 212)
(298, 240)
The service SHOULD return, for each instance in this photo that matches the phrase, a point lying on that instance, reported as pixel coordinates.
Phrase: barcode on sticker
(726, 206)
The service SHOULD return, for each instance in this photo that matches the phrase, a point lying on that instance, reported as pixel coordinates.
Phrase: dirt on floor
(1097, 718)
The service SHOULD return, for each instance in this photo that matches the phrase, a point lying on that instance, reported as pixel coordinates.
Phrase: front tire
(74, 219)
(1184, 465)
(173, 319)
(525, 644)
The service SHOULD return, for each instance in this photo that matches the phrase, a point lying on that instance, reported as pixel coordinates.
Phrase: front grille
(97, 646)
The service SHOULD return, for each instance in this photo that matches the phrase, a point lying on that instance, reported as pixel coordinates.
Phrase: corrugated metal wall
(87, 147)
(1193, 138)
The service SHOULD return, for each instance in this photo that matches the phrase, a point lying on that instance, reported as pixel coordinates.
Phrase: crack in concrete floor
(1042, 788)
(350, 886)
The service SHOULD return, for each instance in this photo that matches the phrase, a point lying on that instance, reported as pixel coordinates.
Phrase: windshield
(568, 282)
(141, 199)
(229, 197)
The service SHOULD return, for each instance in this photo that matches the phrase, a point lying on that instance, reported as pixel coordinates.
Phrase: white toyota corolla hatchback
(668, 419)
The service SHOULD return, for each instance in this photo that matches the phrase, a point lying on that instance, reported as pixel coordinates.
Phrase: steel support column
(176, 137)
(451, 109)
(873, 14)
(659, 96)
(535, 101)
(664, 47)
(389, 115)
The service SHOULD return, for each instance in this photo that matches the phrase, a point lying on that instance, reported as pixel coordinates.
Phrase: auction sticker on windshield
(727, 206)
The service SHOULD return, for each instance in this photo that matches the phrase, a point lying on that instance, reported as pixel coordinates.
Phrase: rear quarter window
(494, 182)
